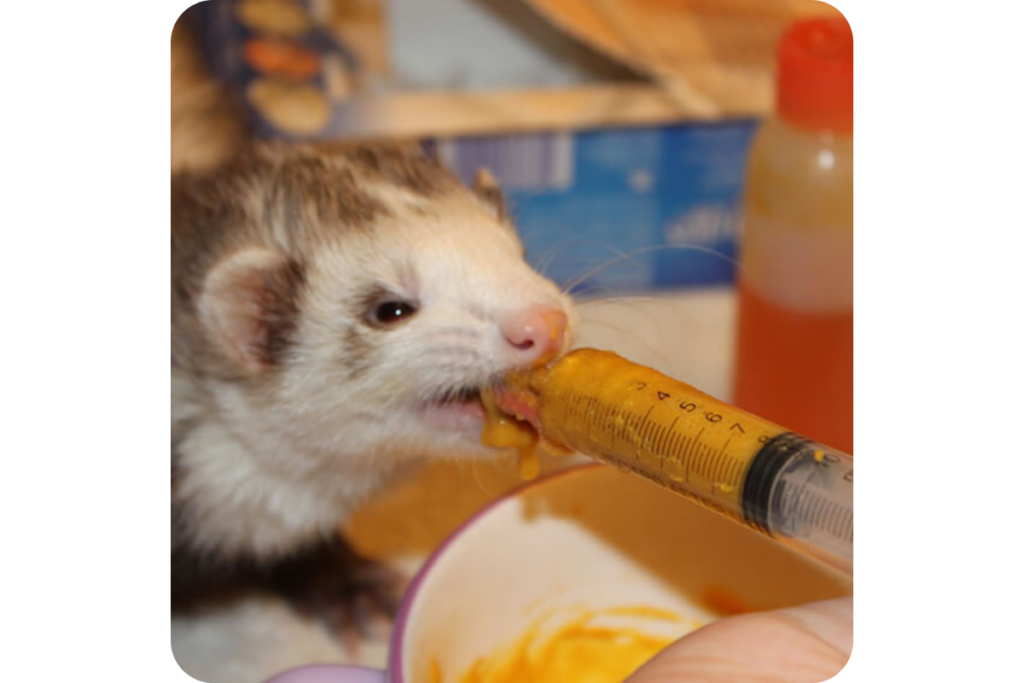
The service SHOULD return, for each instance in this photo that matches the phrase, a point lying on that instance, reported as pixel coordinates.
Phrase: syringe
(796, 490)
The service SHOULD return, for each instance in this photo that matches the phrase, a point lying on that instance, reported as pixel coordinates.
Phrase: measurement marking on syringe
(827, 513)
(686, 443)
(797, 499)
(661, 440)
(642, 425)
(736, 469)
(659, 437)
(591, 412)
(698, 457)
(844, 526)
(821, 506)
(606, 417)
(839, 522)
(673, 441)
(582, 405)
(632, 423)
(732, 471)
(716, 463)
(621, 423)
(585, 413)
(721, 463)
(835, 518)
(590, 416)
(816, 510)
(843, 523)
(813, 508)
(701, 464)
(657, 434)
(573, 407)
(688, 451)
(680, 443)
(848, 524)
(711, 462)
(645, 429)
(626, 423)
(650, 432)
(665, 444)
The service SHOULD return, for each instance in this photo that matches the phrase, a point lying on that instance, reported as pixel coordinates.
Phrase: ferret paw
(354, 597)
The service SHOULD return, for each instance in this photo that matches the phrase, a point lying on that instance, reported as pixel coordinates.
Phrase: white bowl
(588, 537)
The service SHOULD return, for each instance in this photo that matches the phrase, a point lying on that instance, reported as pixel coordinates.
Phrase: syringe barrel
(759, 473)
(801, 492)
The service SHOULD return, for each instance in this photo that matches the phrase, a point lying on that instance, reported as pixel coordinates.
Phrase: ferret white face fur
(333, 313)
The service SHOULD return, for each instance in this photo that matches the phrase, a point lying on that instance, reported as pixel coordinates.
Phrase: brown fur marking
(278, 311)
(406, 167)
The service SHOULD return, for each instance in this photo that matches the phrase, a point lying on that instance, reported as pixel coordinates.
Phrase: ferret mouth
(457, 408)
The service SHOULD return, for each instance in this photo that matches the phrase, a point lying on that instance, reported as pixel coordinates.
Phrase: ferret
(335, 311)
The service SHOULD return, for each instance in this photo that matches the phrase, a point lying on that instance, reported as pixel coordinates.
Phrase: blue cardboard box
(620, 210)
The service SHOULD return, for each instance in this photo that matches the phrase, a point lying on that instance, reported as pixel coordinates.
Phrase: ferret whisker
(545, 260)
(619, 256)
(631, 335)
(631, 256)
(556, 249)
(626, 299)
(654, 321)
(597, 294)
(512, 209)
(605, 323)
(474, 465)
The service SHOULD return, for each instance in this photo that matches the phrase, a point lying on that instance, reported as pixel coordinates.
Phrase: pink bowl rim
(395, 654)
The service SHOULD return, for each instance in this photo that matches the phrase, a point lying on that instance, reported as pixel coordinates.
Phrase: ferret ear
(249, 306)
(486, 187)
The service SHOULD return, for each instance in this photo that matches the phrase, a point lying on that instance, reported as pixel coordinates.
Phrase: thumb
(804, 644)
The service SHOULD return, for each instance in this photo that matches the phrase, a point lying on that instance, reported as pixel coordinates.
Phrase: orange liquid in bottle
(794, 356)
(793, 353)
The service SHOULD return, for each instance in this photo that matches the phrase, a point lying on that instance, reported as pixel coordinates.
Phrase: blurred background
(613, 126)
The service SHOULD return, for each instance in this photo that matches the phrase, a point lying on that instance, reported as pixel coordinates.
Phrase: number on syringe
(690, 406)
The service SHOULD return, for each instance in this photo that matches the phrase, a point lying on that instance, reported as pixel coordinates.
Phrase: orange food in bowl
(581, 650)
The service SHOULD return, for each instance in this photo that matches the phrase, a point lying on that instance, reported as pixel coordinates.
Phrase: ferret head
(350, 303)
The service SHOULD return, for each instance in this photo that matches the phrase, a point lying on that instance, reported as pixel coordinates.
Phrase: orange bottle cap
(815, 75)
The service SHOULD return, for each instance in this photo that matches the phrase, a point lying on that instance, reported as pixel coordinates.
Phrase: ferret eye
(391, 312)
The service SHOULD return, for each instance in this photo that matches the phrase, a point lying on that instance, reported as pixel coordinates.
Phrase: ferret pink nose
(537, 334)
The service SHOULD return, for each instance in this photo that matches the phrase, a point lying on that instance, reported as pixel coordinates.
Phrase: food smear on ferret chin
(501, 430)
(511, 421)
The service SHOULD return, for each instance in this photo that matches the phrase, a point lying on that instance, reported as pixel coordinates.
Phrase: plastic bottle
(794, 362)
